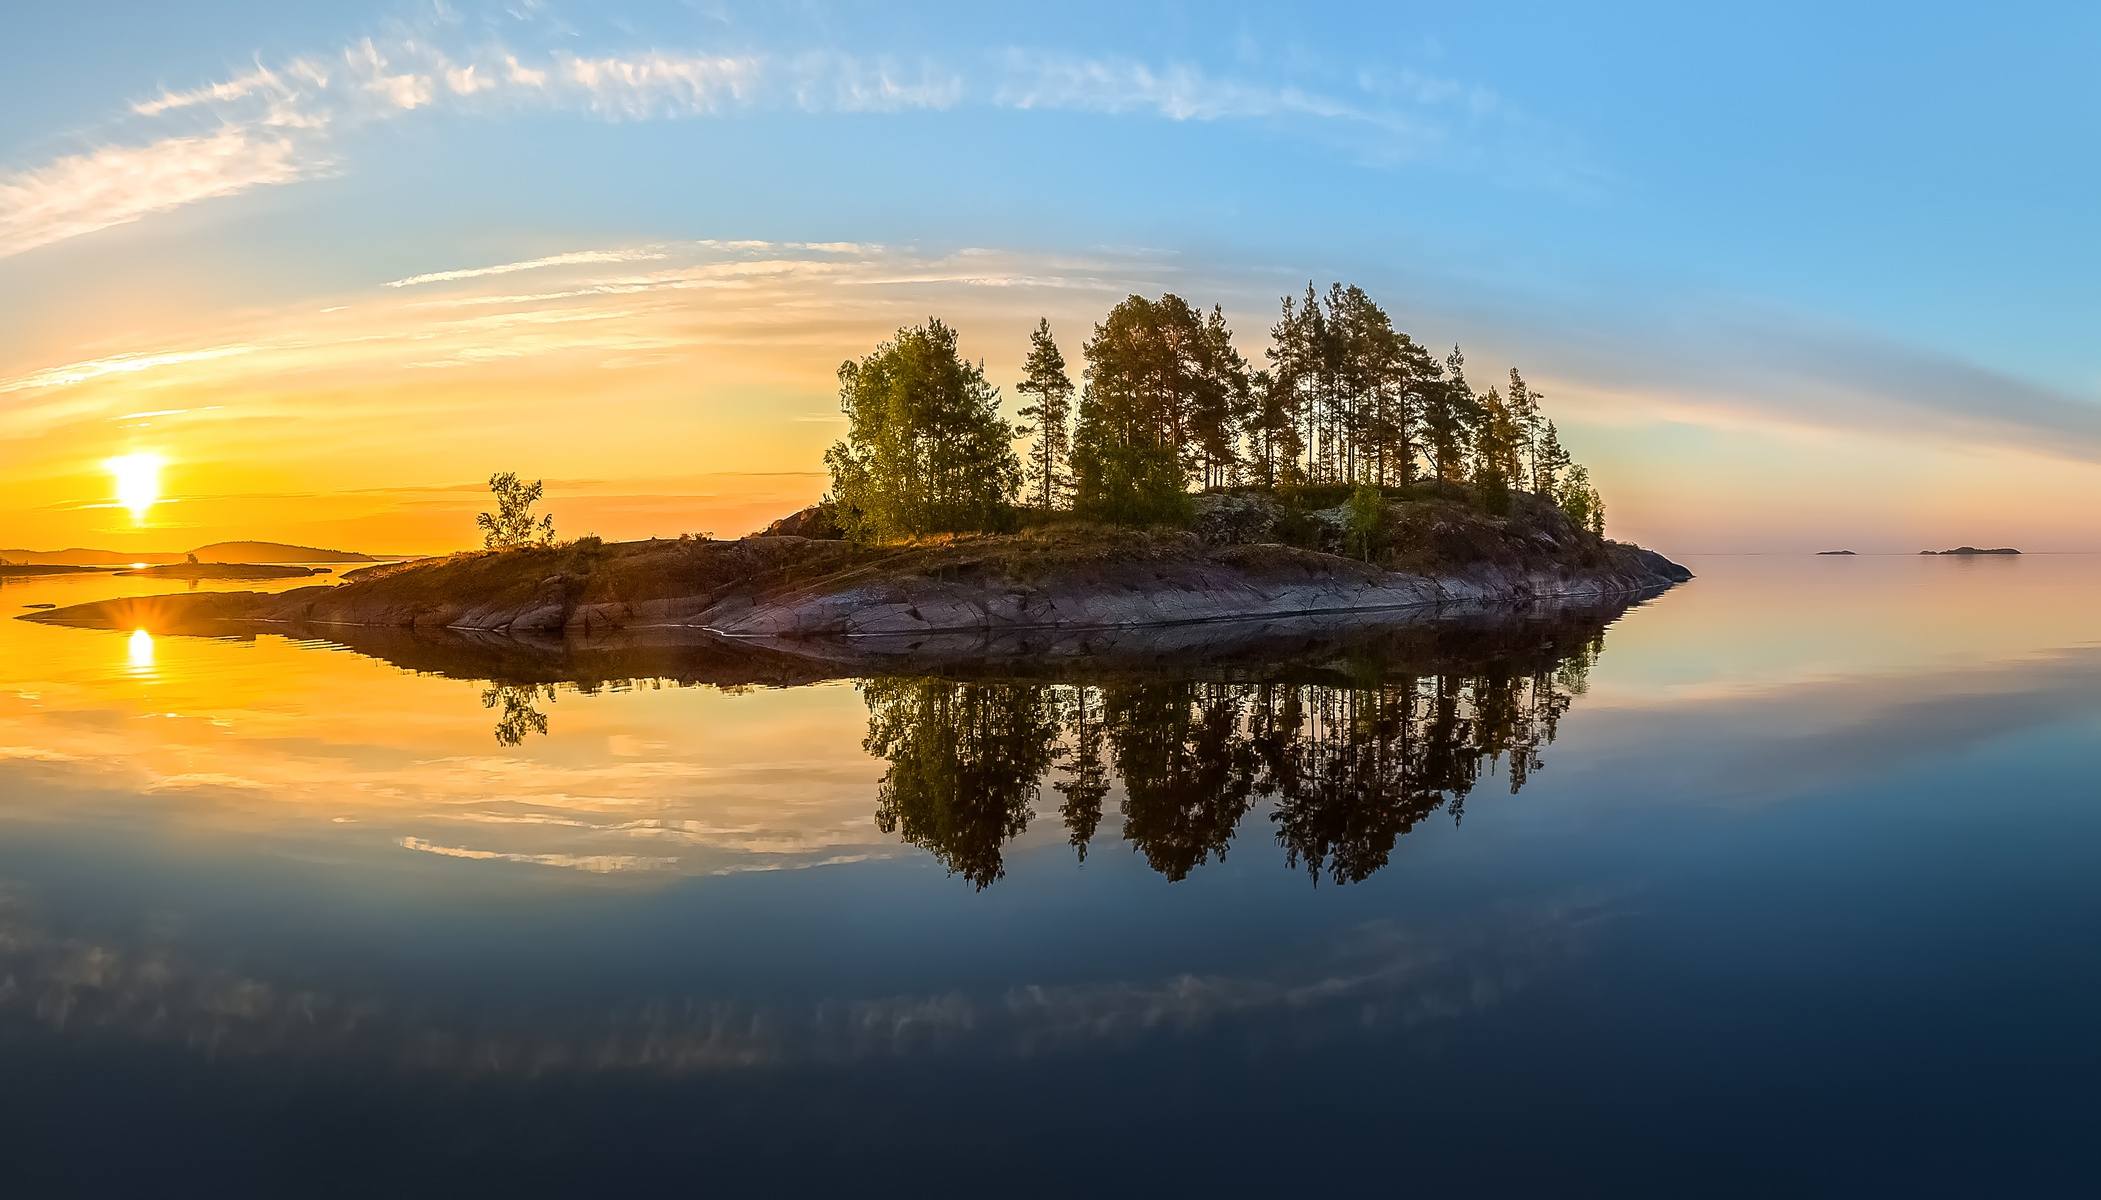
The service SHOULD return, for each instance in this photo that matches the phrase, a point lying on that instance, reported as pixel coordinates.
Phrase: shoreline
(769, 591)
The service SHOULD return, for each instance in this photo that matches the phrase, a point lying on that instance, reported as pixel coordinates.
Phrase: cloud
(655, 84)
(225, 91)
(272, 124)
(116, 185)
(571, 259)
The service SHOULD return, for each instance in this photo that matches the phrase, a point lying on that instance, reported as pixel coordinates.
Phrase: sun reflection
(139, 651)
(137, 478)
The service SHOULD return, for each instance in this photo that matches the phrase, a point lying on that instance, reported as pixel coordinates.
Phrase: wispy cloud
(572, 259)
(275, 123)
(116, 185)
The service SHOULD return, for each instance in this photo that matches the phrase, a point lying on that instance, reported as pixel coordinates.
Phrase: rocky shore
(1060, 578)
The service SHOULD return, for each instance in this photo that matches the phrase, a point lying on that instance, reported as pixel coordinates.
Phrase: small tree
(513, 524)
(1552, 461)
(1048, 415)
(1367, 516)
(1578, 499)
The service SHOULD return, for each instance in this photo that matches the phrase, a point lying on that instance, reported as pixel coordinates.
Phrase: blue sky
(1724, 231)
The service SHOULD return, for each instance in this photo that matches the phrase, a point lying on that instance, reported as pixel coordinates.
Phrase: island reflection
(1352, 735)
(1347, 770)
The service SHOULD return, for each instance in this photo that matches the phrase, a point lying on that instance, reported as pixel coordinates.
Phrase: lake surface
(1786, 880)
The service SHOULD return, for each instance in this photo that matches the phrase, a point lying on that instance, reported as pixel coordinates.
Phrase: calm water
(1787, 879)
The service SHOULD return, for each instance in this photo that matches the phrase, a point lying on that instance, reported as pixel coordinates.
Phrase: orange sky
(688, 387)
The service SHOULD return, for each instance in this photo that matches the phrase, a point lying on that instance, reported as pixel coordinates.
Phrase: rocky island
(1966, 551)
(1070, 576)
(1358, 477)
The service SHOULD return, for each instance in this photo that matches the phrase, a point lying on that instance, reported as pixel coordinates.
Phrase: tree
(1524, 418)
(925, 449)
(1146, 368)
(1272, 429)
(1449, 414)
(1580, 500)
(1221, 404)
(1496, 444)
(1552, 461)
(1300, 363)
(1049, 414)
(1367, 515)
(513, 524)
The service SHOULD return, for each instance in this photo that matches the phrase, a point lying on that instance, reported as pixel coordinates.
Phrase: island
(216, 552)
(1185, 490)
(1071, 577)
(1965, 551)
(215, 570)
(13, 570)
(1834, 553)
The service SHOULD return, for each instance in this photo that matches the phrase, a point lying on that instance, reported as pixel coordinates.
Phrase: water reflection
(1348, 768)
(139, 652)
(521, 715)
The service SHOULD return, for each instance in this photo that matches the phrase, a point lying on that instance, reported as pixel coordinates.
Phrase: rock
(1235, 519)
(814, 522)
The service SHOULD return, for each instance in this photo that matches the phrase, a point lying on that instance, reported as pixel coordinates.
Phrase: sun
(138, 481)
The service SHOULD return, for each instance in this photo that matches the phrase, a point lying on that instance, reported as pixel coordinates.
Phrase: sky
(1795, 277)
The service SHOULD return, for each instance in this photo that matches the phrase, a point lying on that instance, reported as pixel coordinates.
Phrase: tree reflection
(521, 713)
(1349, 764)
(966, 765)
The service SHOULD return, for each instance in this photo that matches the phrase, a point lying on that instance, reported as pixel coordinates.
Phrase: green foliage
(1128, 484)
(1580, 500)
(1367, 519)
(1163, 390)
(513, 524)
(1449, 414)
(1169, 403)
(925, 449)
(1551, 464)
(1047, 418)
(1523, 407)
(1356, 388)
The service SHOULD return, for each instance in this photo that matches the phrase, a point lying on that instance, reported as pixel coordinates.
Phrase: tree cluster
(1168, 405)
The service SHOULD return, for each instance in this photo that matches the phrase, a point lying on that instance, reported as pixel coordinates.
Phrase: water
(1798, 892)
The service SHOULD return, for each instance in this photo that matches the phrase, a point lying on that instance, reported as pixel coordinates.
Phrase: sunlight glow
(137, 478)
(139, 651)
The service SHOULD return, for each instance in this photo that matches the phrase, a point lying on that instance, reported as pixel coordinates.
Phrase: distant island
(1356, 473)
(216, 552)
(1968, 550)
(13, 570)
(1841, 553)
(223, 570)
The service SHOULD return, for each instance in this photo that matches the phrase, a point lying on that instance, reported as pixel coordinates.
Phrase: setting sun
(137, 478)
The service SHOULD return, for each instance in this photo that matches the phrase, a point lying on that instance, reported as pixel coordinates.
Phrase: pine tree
(1496, 445)
(1449, 414)
(1147, 378)
(1288, 410)
(1048, 416)
(1524, 416)
(1220, 405)
(1552, 460)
